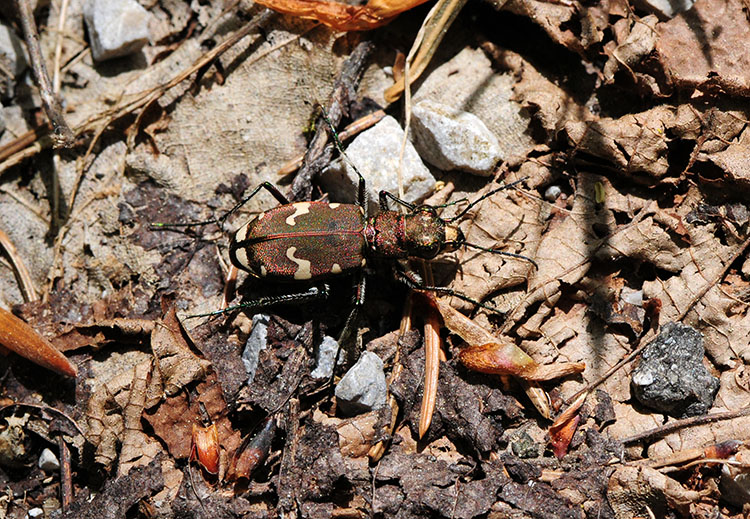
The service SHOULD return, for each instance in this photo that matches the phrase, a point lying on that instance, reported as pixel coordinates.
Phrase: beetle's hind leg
(314, 293)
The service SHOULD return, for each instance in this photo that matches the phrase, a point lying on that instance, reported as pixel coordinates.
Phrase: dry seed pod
(248, 459)
(21, 338)
(206, 448)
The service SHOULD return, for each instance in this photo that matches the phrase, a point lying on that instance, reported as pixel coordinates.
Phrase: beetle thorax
(385, 235)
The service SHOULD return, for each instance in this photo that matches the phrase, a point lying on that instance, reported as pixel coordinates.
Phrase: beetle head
(425, 232)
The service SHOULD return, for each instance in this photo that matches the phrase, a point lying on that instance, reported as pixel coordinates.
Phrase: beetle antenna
(502, 253)
(484, 196)
(340, 148)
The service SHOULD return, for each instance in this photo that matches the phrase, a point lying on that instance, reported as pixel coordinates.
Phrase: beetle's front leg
(385, 195)
(412, 280)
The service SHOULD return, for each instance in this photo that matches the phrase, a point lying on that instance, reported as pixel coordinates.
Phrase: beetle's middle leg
(344, 340)
(278, 195)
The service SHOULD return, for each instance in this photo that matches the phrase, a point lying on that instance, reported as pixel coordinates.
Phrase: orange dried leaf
(560, 436)
(487, 354)
(343, 17)
(564, 427)
(21, 338)
(206, 447)
(498, 359)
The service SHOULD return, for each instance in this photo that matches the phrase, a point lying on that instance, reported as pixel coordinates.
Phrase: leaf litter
(640, 123)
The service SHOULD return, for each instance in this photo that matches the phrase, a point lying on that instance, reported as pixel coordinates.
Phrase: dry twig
(63, 135)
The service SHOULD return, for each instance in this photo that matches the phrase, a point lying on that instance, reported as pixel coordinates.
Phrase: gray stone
(324, 358)
(470, 83)
(524, 446)
(671, 377)
(35, 512)
(363, 388)
(48, 461)
(665, 9)
(452, 139)
(256, 342)
(552, 193)
(115, 28)
(375, 153)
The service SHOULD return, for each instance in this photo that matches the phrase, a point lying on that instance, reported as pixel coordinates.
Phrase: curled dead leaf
(176, 362)
(19, 337)
(564, 427)
(341, 16)
(487, 354)
(498, 359)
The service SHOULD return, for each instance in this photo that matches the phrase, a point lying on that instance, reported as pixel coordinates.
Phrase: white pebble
(115, 28)
(552, 193)
(450, 139)
(48, 461)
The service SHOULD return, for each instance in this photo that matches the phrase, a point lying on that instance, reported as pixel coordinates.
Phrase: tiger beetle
(311, 242)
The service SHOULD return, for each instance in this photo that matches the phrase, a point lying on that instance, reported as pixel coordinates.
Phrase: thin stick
(56, 76)
(23, 278)
(66, 484)
(63, 135)
(431, 363)
(351, 130)
(671, 427)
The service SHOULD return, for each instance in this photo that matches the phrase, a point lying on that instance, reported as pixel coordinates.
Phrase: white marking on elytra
(335, 268)
(263, 271)
(303, 270)
(364, 262)
(241, 255)
(241, 233)
(333, 205)
(300, 208)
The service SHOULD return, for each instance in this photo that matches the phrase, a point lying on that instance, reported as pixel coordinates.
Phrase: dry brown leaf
(341, 16)
(175, 360)
(564, 252)
(357, 434)
(173, 420)
(564, 427)
(706, 47)
(635, 143)
(633, 491)
(555, 18)
(102, 332)
(137, 448)
(495, 357)
(506, 221)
